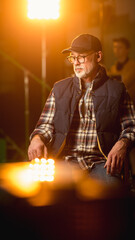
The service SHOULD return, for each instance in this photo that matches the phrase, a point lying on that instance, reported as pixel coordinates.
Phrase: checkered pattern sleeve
(127, 119)
(45, 126)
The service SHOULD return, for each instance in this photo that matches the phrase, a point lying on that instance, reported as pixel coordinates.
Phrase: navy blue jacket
(107, 98)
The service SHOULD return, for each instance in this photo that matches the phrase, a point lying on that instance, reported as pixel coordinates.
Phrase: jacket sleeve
(127, 118)
(45, 126)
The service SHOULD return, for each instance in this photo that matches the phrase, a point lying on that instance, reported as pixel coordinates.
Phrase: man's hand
(37, 148)
(117, 156)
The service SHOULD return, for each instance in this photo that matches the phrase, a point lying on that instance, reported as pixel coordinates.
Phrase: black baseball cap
(84, 43)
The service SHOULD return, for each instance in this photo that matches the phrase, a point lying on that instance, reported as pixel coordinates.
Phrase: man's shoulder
(113, 81)
(63, 86)
(63, 82)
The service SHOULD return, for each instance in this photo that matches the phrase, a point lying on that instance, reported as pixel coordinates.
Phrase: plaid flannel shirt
(82, 137)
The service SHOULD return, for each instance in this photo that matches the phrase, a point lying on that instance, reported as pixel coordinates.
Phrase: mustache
(79, 68)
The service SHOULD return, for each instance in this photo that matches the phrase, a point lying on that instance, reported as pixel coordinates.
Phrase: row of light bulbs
(42, 169)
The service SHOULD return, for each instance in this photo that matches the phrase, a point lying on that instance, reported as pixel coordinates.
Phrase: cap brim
(75, 49)
(66, 50)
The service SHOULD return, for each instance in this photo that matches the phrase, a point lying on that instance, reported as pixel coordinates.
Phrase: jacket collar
(100, 79)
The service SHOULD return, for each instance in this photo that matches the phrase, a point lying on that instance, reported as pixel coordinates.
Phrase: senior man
(88, 119)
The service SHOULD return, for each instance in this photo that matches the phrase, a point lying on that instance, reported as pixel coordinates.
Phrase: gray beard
(80, 75)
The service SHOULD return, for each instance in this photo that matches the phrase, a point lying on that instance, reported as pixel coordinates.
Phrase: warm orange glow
(43, 9)
(23, 179)
(18, 181)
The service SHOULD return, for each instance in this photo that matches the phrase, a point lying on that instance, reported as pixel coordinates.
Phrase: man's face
(120, 50)
(83, 70)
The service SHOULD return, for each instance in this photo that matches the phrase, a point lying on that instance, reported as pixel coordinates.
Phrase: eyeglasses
(80, 59)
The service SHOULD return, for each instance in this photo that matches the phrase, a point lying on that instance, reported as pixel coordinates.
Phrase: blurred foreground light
(23, 179)
(91, 188)
(18, 181)
(42, 170)
(43, 182)
(43, 9)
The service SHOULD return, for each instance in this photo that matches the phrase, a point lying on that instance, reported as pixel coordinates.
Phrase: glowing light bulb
(37, 160)
(43, 160)
(51, 161)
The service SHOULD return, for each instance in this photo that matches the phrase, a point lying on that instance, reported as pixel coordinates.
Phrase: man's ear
(99, 56)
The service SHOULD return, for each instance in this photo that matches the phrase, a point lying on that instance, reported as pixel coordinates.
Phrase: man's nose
(76, 62)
